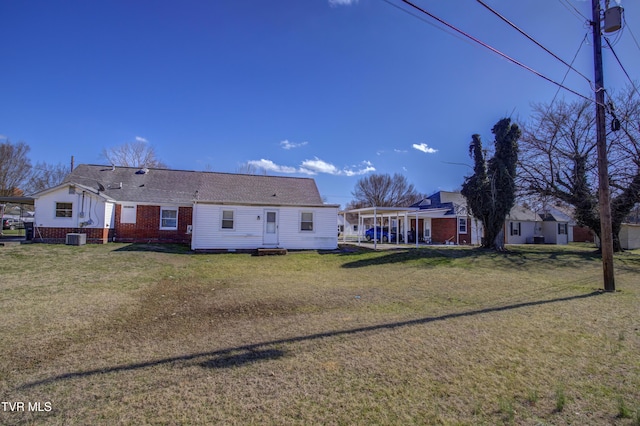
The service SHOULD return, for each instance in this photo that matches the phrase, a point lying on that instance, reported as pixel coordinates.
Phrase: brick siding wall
(59, 235)
(147, 227)
(443, 230)
(145, 230)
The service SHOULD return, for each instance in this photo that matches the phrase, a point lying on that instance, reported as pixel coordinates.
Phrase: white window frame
(233, 220)
(168, 208)
(516, 229)
(63, 210)
(302, 213)
(462, 225)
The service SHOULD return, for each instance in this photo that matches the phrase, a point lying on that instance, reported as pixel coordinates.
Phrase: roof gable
(166, 186)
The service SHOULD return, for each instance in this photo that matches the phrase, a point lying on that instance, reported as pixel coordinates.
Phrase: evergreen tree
(491, 190)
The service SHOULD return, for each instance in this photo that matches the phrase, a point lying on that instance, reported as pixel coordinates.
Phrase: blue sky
(328, 89)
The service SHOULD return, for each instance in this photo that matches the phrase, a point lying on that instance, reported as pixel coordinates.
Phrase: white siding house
(207, 210)
(522, 226)
(74, 208)
(554, 229)
(242, 227)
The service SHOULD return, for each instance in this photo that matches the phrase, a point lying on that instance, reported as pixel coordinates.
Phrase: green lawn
(135, 334)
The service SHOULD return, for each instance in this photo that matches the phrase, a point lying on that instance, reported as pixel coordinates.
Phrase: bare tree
(15, 168)
(46, 176)
(383, 190)
(133, 154)
(559, 158)
(250, 169)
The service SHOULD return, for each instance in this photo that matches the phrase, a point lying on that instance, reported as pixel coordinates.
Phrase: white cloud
(319, 166)
(271, 166)
(285, 144)
(314, 167)
(334, 3)
(401, 151)
(424, 148)
(141, 139)
(359, 172)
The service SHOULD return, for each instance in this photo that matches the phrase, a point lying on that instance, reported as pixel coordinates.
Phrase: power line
(514, 26)
(415, 15)
(584, 39)
(493, 49)
(571, 8)
(621, 66)
(626, 25)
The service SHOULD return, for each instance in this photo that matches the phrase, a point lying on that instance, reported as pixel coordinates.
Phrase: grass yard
(134, 334)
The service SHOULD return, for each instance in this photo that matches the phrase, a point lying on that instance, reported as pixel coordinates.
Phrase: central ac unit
(76, 239)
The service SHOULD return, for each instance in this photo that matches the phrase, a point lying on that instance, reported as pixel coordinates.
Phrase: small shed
(630, 236)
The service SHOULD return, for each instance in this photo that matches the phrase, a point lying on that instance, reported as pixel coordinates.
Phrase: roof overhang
(258, 204)
(18, 200)
(396, 211)
(77, 186)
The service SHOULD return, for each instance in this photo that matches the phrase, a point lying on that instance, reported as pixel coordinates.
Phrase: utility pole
(604, 197)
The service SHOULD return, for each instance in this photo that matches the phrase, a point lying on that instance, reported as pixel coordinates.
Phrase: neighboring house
(522, 226)
(555, 228)
(345, 227)
(451, 225)
(207, 210)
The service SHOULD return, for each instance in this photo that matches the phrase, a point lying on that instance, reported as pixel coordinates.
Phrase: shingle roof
(183, 187)
(522, 214)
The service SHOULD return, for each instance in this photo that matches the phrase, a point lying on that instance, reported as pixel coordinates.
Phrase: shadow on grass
(434, 256)
(244, 357)
(156, 248)
(226, 358)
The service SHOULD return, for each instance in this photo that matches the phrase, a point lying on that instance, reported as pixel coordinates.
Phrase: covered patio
(402, 224)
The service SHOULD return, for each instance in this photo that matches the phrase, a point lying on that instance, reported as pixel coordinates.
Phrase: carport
(402, 216)
(20, 201)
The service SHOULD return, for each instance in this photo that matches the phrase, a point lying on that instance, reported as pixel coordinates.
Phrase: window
(128, 213)
(227, 219)
(306, 221)
(168, 218)
(515, 228)
(462, 225)
(64, 209)
(562, 229)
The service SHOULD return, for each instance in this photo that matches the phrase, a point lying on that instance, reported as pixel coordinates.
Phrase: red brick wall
(59, 235)
(443, 229)
(582, 234)
(147, 226)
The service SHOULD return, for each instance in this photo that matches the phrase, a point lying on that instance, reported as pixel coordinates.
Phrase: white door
(427, 230)
(270, 236)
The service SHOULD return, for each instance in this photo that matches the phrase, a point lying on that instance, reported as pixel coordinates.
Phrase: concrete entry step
(271, 251)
